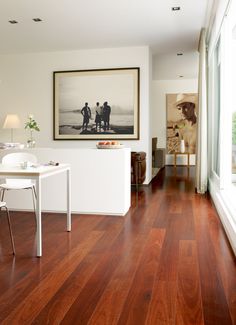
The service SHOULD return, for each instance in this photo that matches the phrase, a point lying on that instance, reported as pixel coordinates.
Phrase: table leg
(175, 160)
(68, 200)
(188, 159)
(39, 220)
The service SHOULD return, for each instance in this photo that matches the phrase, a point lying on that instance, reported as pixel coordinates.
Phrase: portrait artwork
(181, 122)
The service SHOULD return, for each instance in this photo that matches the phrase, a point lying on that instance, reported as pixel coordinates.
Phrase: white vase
(182, 146)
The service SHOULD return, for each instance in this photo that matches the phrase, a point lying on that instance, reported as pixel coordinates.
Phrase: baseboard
(225, 214)
(74, 212)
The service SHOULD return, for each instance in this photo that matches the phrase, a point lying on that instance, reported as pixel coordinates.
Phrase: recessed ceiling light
(37, 20)
(175, 8)
(13, 21)
(179, 54)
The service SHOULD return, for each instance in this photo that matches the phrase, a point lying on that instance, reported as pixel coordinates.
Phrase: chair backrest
(154, 144)
(138, 167)
(15, 159)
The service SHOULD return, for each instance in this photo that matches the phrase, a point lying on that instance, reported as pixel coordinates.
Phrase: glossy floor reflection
(168, 261)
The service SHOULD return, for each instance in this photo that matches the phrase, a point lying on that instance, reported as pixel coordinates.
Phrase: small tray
(110, 146)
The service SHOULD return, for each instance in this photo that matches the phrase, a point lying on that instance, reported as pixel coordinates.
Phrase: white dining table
(38, 173)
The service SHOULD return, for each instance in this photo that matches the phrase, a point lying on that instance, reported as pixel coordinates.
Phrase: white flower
(31, 124)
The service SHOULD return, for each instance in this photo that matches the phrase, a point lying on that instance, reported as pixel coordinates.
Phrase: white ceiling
(80, 24)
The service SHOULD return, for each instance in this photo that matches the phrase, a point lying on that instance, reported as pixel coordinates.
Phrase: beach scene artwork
(96, 104)
(181, 121)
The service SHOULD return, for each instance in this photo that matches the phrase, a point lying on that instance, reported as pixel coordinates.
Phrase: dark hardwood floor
(167, 261)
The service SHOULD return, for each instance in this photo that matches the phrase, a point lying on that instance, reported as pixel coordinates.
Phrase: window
(216, 113)
(234, 105)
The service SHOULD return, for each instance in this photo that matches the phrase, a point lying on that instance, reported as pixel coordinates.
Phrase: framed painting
(181, 122)
(96, 104)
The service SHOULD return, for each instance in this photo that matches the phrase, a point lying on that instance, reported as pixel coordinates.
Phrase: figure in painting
(187, 126)
(106, 116)
(181, 122)
(86, 112)
(98, 116)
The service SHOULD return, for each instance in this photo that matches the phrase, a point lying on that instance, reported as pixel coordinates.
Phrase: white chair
(3, 205)
(15, 159)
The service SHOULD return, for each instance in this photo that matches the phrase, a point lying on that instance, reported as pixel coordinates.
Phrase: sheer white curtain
(201, 154)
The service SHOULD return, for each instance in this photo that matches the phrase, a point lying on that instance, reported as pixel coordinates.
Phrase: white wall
(26, 86)
(159, 90)
(170, 66)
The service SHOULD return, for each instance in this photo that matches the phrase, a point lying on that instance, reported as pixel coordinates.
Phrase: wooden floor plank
(137, 302)
(189, 302)
(176, 205)
(163, 300)
(111, 303)
(162, 220)
(225, 265)
(215, 307)
(168, 267)
(163, 303)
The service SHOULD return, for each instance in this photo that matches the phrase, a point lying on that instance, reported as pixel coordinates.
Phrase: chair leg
(34, 197)
(10, 230)
(35, 194)
(3, 193)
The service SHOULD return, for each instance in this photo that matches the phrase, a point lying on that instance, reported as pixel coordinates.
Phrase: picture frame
(181, 122)
(96, 104)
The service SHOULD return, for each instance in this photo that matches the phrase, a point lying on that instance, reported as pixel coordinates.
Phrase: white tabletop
(17, 170)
